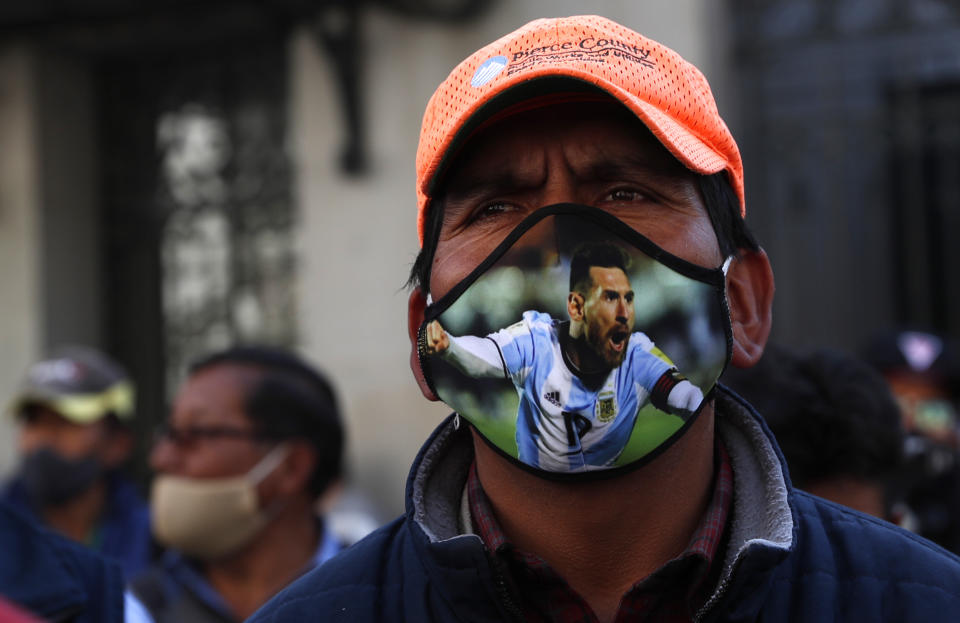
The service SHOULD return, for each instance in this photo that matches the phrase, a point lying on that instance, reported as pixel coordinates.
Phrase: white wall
(21, 317)
(358, 236)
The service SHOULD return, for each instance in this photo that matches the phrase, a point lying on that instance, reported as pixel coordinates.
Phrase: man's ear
(292, 476)
(575, 306)
(750, 296)
(416, 305)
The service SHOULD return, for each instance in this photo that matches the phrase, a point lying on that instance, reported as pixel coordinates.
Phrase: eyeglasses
(190, 435)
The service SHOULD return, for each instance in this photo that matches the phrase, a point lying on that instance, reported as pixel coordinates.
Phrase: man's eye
(491, 210)
(629, 297)
(625, 194)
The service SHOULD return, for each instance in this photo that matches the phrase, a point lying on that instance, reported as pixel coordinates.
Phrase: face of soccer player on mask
(608, 314)
(596, 154)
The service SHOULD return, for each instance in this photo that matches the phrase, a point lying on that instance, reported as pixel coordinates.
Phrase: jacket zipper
(717, 594)
(503, 591)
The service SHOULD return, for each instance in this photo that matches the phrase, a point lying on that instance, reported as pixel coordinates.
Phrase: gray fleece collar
(437, 479)
(761, 516)
(761, 512)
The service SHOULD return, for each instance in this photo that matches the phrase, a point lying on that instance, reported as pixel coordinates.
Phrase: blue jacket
(790, 556)
(54, 578)
(124, 531)
(173, 590)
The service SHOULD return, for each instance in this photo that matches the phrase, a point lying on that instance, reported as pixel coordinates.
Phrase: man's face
(589, 153)
(44, 427)
(608, 314)
(211, 436)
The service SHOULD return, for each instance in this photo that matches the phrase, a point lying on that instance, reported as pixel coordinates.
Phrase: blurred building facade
(176, 179)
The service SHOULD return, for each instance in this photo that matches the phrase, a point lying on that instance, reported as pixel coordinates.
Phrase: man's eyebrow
(505, 179)
(634, 164)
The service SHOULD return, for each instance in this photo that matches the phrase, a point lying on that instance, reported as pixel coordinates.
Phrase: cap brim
(80, 408)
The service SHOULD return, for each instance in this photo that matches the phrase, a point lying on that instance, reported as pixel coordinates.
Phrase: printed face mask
(578, 345)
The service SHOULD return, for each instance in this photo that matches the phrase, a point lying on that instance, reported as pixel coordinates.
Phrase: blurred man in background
(835, 420)
(924, 374)
(75, 411)
(253, 443)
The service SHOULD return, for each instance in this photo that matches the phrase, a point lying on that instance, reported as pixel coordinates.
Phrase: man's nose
(536, 241)
(164, 456)
(621, 310)
(561, 184)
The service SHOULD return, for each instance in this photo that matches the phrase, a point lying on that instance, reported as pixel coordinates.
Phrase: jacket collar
(436, 480)
(762, 527)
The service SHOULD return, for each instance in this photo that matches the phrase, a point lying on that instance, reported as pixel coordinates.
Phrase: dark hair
(832, 414)
(290, 400)
(589, 254)
(723, 208)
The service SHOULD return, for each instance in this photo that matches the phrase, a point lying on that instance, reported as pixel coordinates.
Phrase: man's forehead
(497, 146)
(608, 275)
(222, 388)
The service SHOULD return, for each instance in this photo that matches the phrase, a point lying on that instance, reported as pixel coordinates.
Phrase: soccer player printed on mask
(581, 382)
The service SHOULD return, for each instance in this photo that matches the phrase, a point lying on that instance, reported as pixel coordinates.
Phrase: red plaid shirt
(674, 592)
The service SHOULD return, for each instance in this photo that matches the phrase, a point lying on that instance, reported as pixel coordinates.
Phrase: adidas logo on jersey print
(553, 398)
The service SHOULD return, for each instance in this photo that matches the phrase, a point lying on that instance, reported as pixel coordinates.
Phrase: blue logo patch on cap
(488, 71)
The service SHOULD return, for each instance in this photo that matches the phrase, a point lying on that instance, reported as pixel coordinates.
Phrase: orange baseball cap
(668, 94)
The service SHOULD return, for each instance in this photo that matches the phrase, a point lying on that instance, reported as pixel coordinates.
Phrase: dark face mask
(578, 346)
(52, 480)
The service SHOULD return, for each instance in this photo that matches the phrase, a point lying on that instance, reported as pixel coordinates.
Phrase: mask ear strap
(268, 463)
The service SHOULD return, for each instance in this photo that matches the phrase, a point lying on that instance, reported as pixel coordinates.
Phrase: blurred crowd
(244, 468)
(876, 431)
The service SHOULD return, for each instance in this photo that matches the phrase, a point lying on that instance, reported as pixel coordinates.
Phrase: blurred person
(924, 375)
(923, 372)
(253, 442)
(75, 410)
(835, 420)
(567, 130)
(55, 578)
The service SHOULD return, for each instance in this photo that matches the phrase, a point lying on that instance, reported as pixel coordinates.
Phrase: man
(585, 118)
(253, 441)
(835, 420)
(603, 371)
(75, 411)
(55, 578)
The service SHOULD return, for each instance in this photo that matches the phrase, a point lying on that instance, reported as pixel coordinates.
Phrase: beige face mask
(207, 518)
